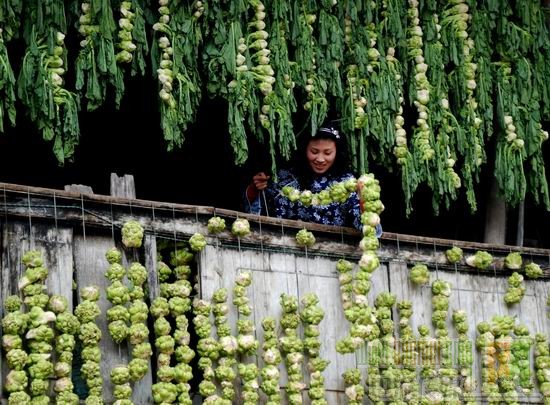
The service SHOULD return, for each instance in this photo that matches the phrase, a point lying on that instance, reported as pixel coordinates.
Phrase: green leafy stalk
(52, 107)
(7, 87)
(95, 65)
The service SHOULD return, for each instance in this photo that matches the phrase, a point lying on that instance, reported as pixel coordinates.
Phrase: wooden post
(123, 186)
(495, 217)
(521, 224)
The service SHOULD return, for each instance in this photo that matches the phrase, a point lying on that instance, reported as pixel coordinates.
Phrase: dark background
(129, 141)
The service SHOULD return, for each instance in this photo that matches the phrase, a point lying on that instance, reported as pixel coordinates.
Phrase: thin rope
(83, 227)
(31, 239)
(262, 242)
(56, 229)
(457, 284)
(435, 260)
(265, 203)
(174, 232)
(8, 255)
(112, 225)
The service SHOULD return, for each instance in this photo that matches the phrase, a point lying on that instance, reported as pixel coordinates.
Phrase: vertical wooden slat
(150, 247)
(90, 266)
(141, 390)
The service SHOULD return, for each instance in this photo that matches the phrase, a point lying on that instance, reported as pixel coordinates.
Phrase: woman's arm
(252, 202)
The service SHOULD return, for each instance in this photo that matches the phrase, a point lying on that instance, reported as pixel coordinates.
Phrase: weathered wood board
(269, 252)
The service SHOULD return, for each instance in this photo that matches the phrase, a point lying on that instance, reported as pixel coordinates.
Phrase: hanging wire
(239, 248)
(457, 284)
(174, 232)
(31, 239)
(56, 228)
(262, 242)
(55, 211)
(199, 284)
(287, 274)
(307, 270)
(436, 264)
(83, 227)
(496, 291)
(262, 193)
(112, 225)
(6, 229)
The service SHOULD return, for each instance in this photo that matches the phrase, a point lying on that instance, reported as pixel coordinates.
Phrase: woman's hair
(341, 164)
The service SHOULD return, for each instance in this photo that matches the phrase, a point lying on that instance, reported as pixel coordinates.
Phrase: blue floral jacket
(338, 214)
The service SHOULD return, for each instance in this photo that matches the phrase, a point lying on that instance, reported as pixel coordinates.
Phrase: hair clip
(331, 131)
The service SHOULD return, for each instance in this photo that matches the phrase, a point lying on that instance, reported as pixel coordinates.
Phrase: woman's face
(321, 154)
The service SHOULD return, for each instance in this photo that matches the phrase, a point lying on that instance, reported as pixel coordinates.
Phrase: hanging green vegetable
(510, 154)
(419, 94)
(132, 43)
(7, 86)
(179, 37)
(308, 76)
(95, 65)
(10, 18)
(242, 99)
(50, 105)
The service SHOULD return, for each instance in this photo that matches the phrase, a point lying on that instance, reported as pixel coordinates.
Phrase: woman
(322, 161)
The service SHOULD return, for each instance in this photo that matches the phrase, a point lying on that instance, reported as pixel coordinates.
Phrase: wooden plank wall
(275, 271)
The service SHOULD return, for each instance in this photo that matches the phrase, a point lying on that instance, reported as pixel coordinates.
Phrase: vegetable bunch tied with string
(272, 357)
(90, 335)
(312, 314)
(292, 347)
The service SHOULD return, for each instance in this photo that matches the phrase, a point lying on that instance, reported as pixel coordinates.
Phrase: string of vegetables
(307, 76)
(180, 288)
(95, 66)
(331, 48)
(520, 359)
(90, 335)
(409, 179)
(241, 97)
(291, 347)
(7, 85)
(66, 325)
(311, 315)
(264, 75)
(446, 373)
(408, 355)
(352, 106)
(132, 44)
(10, 18)
(502, 328)
(542, 363)
(179, 37)
(272, 357)
(428, 351)
(53, 108)
(355, 392)
(165, 390)
(465, 360)
(207, 347)
(273, 67)
(510, 152)
(225, 371)
(390, 374)
(39, 334)
(419, 94)
(14, 324)
(443, 180)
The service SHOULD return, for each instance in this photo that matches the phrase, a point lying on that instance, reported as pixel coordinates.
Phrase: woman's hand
(260, 181)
